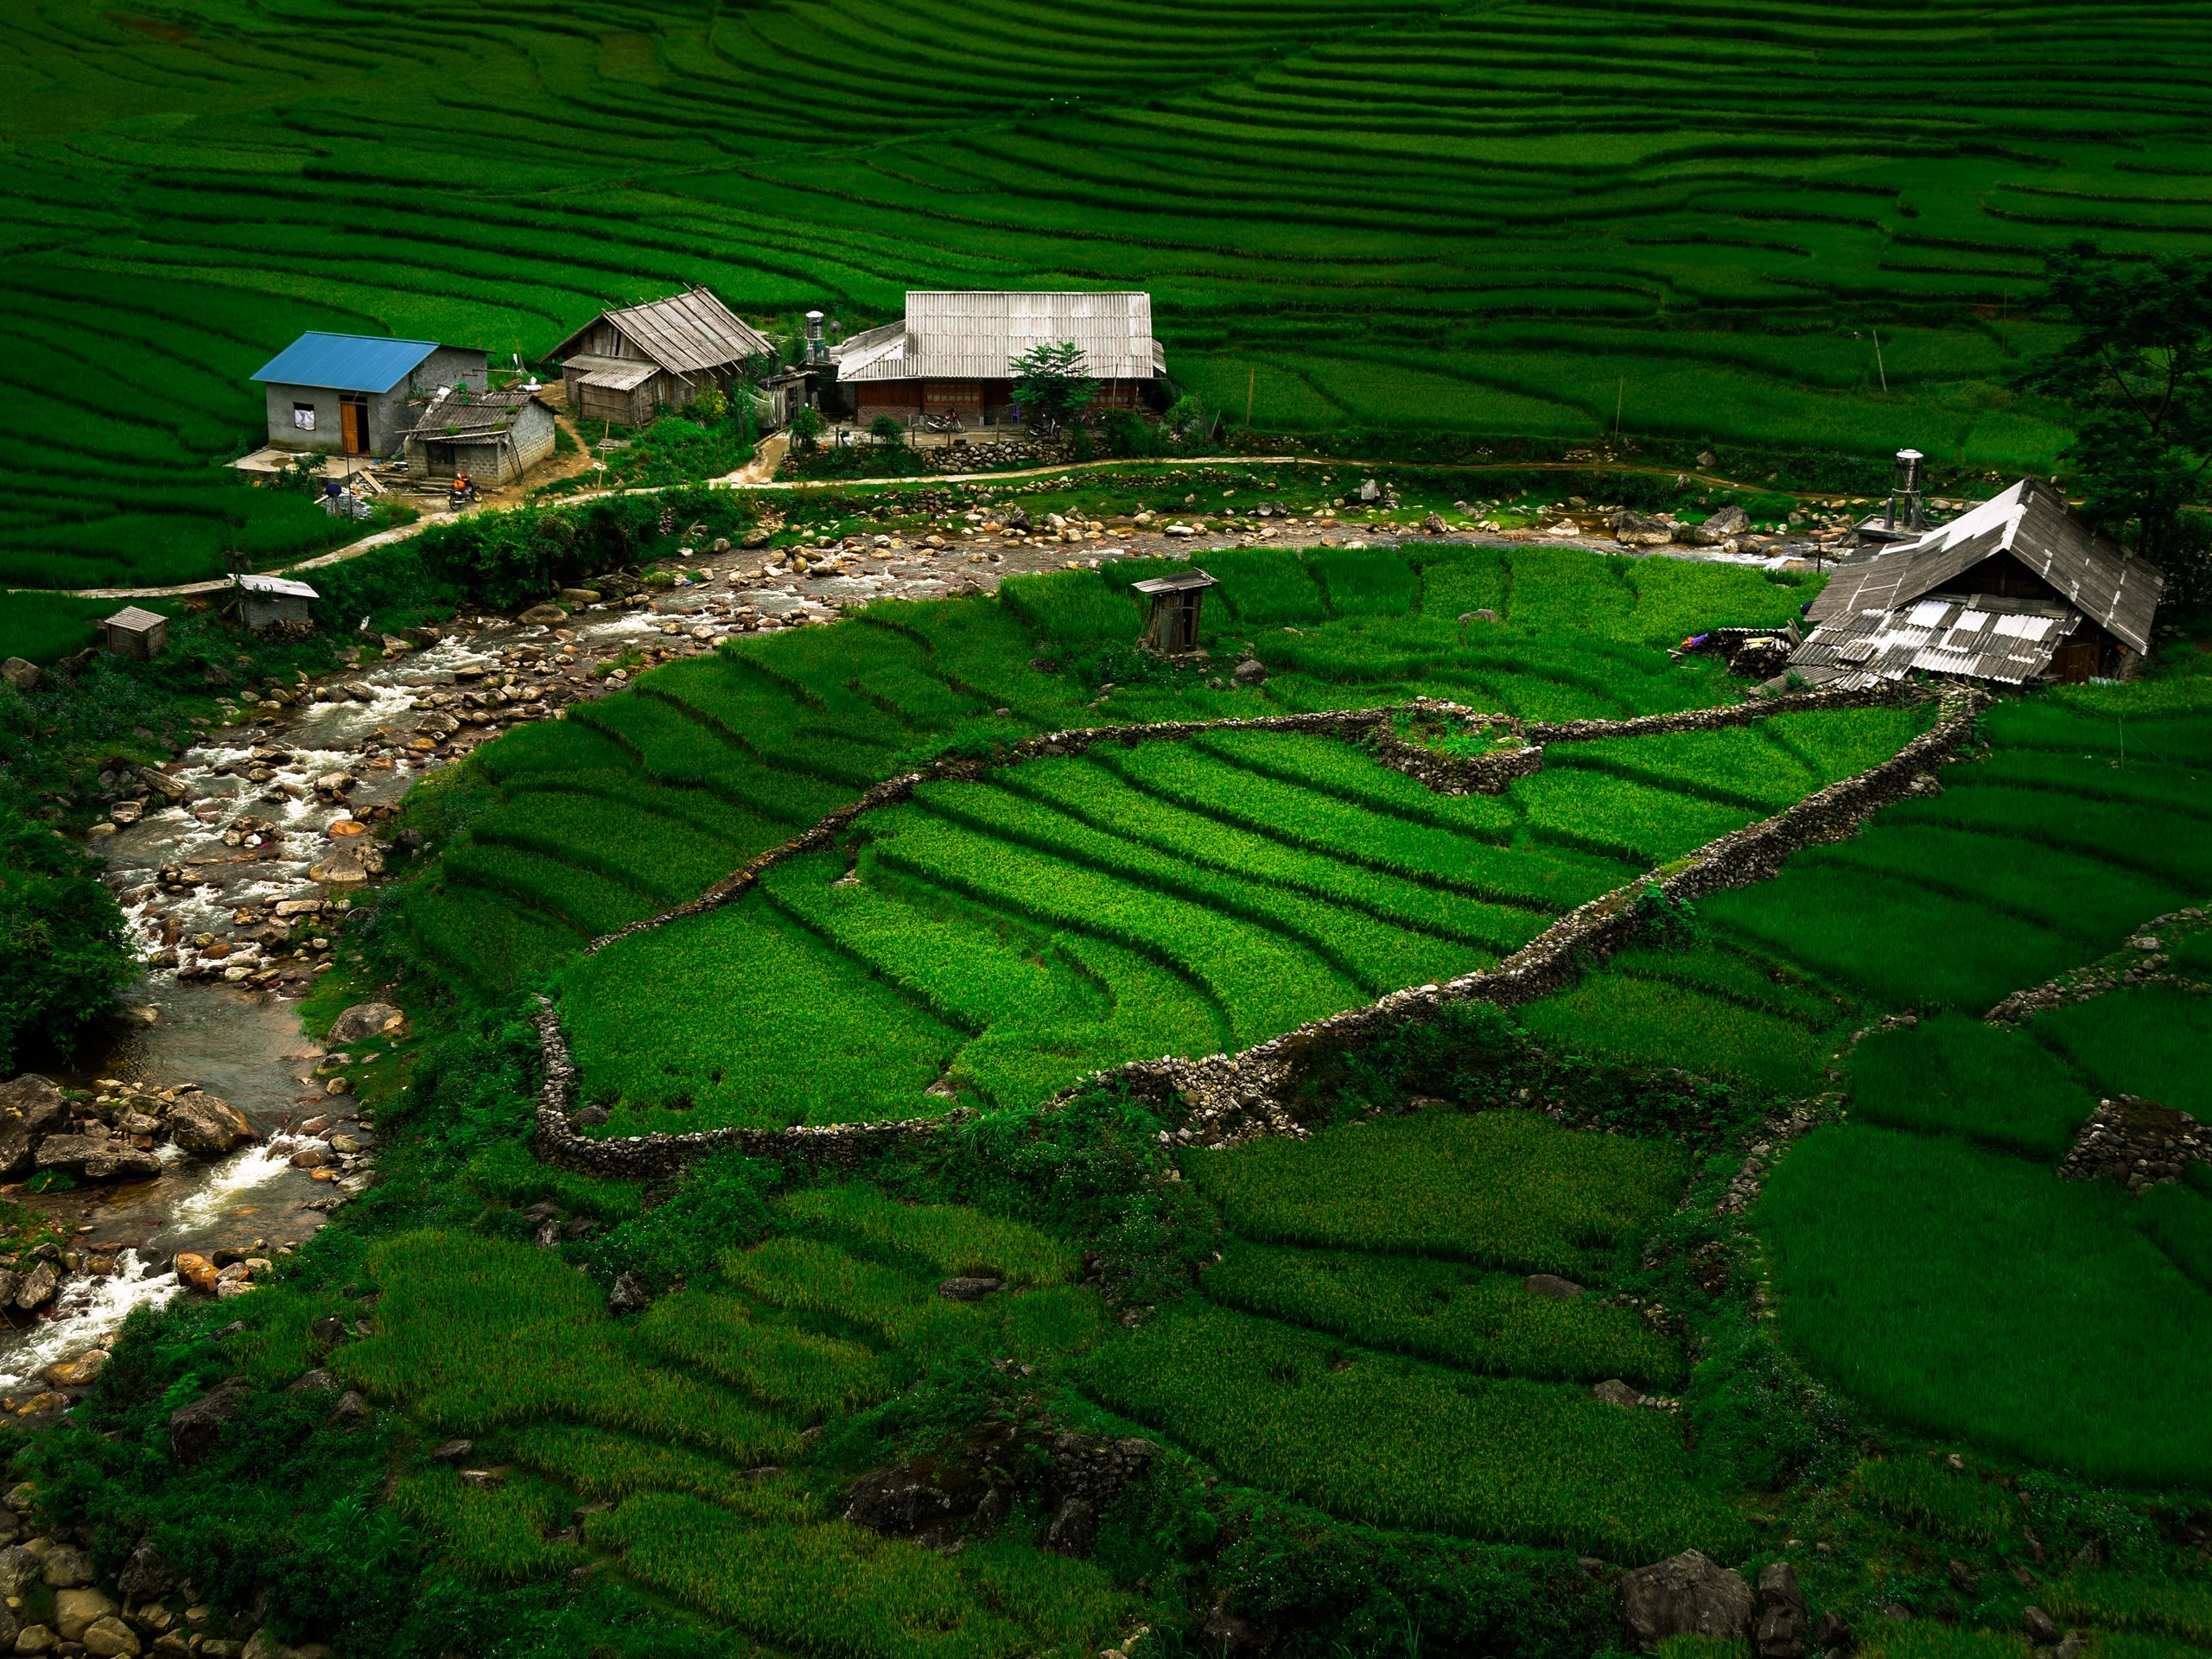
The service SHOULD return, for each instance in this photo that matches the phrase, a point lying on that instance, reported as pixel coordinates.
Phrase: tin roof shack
(1172, 627)
(266, 602)
(954, 352)
(348, 394)
(627, 365)
(136, 634)
(494, 437)
(2020, 589)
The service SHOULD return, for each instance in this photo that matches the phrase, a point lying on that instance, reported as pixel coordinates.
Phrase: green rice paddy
(1421, 217)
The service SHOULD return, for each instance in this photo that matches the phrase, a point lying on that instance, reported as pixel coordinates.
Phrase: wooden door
(2078, 662)
(353, 425)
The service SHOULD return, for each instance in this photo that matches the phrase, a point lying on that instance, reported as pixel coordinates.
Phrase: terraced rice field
(1928, 1231)
(643, 800)
(1497, 221)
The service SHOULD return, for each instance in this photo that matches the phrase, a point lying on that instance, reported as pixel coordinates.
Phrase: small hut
(1172, 627)
(270, 601)
(136, 634)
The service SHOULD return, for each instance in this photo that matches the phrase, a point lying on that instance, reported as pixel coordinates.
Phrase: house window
(304, 417)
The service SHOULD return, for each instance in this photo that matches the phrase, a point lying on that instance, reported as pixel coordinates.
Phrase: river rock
(1783, 1623)
(36, 1639)
(579, 596)
(194, 1427)
(146, 1573)
(67, 1567)
(196, 1271)
(21, 673)
(628, 1296)
(1687, 1594)
(363, 1021)
(1729, 521)
(544, 615)
(74, 1609)
(109, 1636)
(1551, 1285)
(30, 1106)
(37, 1287)
(18, 1566)
(79, 1372)
(207, 1126)
(98, 1158)
(351, 864)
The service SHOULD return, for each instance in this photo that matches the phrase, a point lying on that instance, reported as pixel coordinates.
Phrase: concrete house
(952, 353)
(2020, 589)
(347, 394)
(493, 436)
(627, 365)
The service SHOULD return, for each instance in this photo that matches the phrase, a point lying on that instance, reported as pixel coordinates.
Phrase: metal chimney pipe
(816, 352)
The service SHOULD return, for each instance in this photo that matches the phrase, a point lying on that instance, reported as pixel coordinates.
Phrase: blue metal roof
(345, 362)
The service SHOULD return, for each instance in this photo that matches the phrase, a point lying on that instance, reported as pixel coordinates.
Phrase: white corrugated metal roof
(975, 335)
(274, 585)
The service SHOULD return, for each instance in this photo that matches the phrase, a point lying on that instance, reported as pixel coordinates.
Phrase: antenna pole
(1251, 385)
(1878, 369)
(1620, 397)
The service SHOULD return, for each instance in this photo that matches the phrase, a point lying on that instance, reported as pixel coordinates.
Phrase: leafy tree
(2138, 374)
(806, 428)
(1051, 386)
(887, 429)
(63, 956)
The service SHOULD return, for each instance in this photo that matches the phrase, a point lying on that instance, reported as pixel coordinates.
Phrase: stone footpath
(1230, 1098)
(2141, 961)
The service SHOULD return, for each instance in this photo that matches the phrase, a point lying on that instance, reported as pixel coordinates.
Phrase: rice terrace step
(1109, 832)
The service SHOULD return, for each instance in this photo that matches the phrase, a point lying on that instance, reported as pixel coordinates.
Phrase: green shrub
(62, 954)
(715, 1204)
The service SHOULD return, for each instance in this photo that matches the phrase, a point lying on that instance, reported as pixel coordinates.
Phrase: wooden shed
(493, 436)
(1172, 626)
(270, 601)
(136, 634)
(627, 365)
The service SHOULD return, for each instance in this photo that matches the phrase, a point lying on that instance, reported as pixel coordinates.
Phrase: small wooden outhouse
(269, 602)
(1172, 627)
(136, 634)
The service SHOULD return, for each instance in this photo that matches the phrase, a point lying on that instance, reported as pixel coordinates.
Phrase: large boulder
(146, 1575)
(1729, 521)
(363, 1021)
(97, 1157)
(21, 673)
(194, 1427)
(1688, 1594)
(1783, 1623)
(207, 1126)
(75, 1608)
(30, 1106)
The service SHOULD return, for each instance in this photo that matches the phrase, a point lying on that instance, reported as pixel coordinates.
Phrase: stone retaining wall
(1231, 1098)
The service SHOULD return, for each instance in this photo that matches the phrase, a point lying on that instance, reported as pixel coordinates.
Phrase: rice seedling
(2147, 1040)
(798, 1371)
(1928, 1495)
(1953, 1075)
(474, 1334)
(950, 1238)
(609, 1466)
(1497, 1189)
(1904, 1261)
(1495, 1457)
(494, 1533)
(1437, 1310)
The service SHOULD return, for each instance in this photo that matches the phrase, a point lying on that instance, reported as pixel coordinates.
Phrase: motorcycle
(463, 497)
